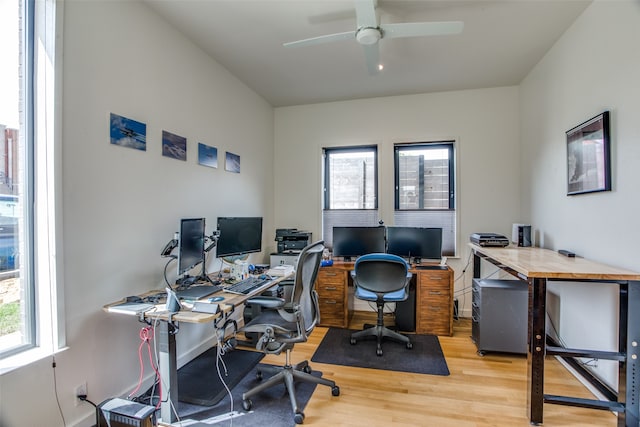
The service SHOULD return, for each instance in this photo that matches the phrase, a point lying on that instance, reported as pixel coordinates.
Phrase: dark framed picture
(588, 156)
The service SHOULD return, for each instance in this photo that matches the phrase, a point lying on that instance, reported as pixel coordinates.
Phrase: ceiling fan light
(368, 36)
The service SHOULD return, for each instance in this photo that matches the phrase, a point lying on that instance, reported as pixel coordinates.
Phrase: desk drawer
(435, 279)
(333, 276)
(330, 290)
(435, 318)
(332, 312)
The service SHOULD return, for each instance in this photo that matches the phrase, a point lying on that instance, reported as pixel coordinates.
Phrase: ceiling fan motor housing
(368, 35)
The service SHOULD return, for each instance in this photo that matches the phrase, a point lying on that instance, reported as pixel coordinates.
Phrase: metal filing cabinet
(499, 319)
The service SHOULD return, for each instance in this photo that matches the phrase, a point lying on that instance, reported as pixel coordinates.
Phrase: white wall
(485, 124)
(120, 206)
(592, 68)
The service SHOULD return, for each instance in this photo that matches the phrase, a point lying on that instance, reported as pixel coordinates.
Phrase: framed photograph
(588, 156)
(174, 146)
(128, 132)
(232, 162)
(207, 156)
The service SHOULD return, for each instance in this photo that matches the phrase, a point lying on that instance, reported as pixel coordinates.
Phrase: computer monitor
(191, 244)
(415, 242)
(239, 236)
(355, 241)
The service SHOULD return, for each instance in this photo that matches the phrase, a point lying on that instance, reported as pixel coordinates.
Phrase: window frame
(347, 216)
(40, 248)
(326, 152)
(415, 146)
(447, 218)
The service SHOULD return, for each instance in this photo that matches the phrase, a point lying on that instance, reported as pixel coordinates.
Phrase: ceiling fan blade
(322, 39)
(417, 29)
(372, 58)
(366, 14)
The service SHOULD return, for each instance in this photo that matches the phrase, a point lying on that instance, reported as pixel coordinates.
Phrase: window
(27, 307)
(425, 188)
(350, 188)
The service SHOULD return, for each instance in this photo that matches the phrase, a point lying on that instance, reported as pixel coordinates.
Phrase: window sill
(25, 358)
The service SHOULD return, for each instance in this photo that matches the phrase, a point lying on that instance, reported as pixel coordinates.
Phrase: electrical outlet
(81, 390)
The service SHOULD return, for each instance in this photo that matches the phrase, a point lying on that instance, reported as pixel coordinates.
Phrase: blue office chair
(381, 278)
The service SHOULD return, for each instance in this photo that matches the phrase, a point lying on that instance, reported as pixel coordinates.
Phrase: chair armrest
(267, 302)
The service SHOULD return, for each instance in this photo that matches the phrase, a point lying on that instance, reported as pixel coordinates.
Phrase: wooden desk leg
(629, 374)
(168, 372)
(537, 348)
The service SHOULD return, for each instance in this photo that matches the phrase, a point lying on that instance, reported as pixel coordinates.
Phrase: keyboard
(247, 285)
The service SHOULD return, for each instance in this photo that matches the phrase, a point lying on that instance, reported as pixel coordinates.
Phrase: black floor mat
(425, 357)
(198, 380)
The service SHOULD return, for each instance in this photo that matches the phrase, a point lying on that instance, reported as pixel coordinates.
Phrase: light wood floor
(481, 391)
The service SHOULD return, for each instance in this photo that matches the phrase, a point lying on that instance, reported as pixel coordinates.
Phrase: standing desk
(166, 336)
(537, 266)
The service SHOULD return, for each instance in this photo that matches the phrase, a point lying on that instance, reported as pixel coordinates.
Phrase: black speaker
(524, 235)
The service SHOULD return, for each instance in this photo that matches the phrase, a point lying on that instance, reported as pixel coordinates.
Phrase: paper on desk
(132, 308)
(281, 270)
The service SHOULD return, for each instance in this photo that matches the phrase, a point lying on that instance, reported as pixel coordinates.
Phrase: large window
(27, 307)
(425, 188)
(350, 188)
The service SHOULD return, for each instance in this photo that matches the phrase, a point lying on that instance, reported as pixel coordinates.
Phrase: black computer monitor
(239, 236)
(415, 242)
(355, 241)
(191, 244)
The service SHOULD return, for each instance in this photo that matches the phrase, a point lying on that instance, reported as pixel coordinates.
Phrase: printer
(291, 240)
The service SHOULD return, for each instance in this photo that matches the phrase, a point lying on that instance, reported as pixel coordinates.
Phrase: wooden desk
(434, 297)
(167, 330)
(537, 266)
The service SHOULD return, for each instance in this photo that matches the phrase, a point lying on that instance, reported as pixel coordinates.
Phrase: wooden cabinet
(332, 287)
(434, 301)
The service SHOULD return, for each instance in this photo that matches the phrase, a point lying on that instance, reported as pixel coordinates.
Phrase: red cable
(146, 335)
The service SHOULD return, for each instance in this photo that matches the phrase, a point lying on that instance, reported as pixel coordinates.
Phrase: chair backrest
(304, 294)
(381, 273)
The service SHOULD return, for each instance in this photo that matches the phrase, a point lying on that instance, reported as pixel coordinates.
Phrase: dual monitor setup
(413, 243)
(234, 236)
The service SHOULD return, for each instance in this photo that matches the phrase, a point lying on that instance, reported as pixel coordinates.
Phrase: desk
(434, 297)
(166, 336)
(537, 266)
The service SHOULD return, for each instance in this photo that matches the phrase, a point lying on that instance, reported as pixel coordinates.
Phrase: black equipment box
(292, 240)
(489, 239)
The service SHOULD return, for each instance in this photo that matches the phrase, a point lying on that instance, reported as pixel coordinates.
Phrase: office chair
(381, 278)
(280, 328)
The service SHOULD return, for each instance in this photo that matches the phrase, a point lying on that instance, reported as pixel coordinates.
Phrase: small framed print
(232, 162)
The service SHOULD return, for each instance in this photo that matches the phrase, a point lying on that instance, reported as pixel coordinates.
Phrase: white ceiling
(501, 41)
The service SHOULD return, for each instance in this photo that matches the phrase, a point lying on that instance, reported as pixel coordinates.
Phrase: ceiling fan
(369, 32)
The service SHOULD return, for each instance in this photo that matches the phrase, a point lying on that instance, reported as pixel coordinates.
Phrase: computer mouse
(216, 299)
(263, 276)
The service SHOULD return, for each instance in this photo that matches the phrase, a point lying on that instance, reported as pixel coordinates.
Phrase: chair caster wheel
(352, 341)
(307, 369)
(379, 352)
(246, 405)
(298, 417)
(409, 345)
(335, 391)
(259, 375)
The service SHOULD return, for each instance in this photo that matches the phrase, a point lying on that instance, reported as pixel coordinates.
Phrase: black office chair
(381, 278)
(280, 328)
